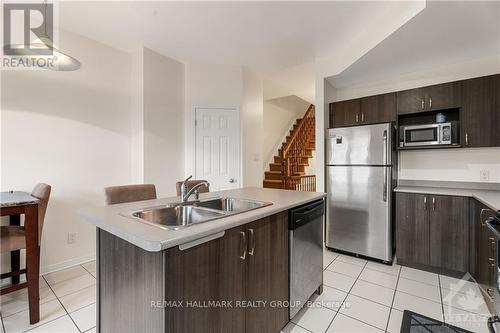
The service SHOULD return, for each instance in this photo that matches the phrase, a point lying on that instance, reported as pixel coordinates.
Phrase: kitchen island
(230, 274)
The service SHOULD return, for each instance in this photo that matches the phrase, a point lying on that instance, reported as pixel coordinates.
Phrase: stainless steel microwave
(429, 134)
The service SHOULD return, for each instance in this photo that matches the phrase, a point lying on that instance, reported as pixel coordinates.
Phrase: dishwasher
(305, 227)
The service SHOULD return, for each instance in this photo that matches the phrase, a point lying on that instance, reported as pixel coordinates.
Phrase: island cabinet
(432, 232)
(481, 112)
(484, 241)
(436, 97)
(237, 282)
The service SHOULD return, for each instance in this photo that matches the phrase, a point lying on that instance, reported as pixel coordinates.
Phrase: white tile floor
(361, 296)
(358, 296)
(67, 303)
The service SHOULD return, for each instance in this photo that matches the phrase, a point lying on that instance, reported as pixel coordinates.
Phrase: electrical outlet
(71, 237)
(484, 175)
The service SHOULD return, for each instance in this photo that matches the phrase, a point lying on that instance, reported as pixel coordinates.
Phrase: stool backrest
(129, 193)
(42, 192)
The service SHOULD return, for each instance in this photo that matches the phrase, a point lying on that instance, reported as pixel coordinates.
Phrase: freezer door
(360, 145)
(359, 210)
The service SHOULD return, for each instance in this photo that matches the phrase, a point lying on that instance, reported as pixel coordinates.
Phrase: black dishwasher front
(306, 253)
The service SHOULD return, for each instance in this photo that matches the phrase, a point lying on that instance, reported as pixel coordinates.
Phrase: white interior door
(217, 147)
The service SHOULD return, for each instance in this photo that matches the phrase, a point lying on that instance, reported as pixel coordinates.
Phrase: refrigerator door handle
(384, 192)
(385, 148)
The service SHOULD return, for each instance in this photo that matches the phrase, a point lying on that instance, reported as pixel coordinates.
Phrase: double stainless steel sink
(180, 215)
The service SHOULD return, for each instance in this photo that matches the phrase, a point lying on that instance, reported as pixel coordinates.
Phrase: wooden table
(13, 204)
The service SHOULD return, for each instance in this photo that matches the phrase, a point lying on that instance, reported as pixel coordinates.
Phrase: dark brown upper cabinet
(378, 109)
(436, 97)
(481, 112)
(345, 113)
(363, 111)
(433, 231)
(476, 103)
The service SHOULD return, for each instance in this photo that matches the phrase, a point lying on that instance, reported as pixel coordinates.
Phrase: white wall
(122, 118)
(325, 94)
(252, 129)
(137, 117)
(227, 86)
(163, 122)
(72, 131)
(450, 165)
(279, 115)
(208, 86)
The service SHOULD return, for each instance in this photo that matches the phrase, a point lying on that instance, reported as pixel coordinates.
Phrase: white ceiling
(280, 40)
(444, 33)
(264, 36)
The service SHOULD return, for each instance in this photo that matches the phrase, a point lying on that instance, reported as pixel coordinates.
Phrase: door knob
(232, 180)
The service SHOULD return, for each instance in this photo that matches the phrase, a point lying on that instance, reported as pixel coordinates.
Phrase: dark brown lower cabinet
(412, 228)
(210, 287)
(433, 231)
(449, 232)
(248, 264)
(267, 274)
(208, 272)
(484, 249)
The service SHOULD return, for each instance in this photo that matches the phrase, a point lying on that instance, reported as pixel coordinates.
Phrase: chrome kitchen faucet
(185, 194)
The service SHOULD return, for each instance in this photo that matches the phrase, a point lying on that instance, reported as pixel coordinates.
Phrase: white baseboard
(66, 264)
(56, 267)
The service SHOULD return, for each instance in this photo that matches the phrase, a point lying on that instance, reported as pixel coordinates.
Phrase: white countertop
(152, 238)
(489, 198)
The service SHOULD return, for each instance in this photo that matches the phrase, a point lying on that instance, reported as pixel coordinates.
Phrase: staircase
(288, 170)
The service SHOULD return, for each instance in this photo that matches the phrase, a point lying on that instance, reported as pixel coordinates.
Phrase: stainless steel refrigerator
(360, 180)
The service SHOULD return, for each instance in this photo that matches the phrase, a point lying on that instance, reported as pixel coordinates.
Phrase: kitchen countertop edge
(108, 218)
(490, 198)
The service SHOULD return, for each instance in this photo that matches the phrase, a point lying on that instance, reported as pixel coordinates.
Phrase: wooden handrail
(294, 151)
(287, 146)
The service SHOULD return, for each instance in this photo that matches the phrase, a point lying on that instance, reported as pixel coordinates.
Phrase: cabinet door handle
(491, 239)
(433, 203)
(357, 117)
(422, 104)
(483, 222)
(425, 203)
(466, 138)
(243, 245)
(430, 103)
(384, 190)
(252, 242)
(362, 116)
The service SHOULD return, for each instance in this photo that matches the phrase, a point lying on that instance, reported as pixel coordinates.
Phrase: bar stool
(129, 193)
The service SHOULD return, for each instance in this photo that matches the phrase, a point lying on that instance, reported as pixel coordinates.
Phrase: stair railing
(293, 152)
(302, 183)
